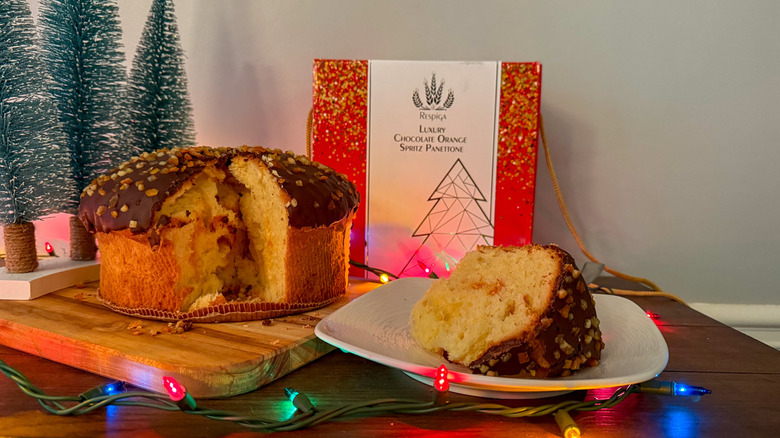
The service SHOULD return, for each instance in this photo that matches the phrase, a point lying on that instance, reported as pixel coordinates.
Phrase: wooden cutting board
(211, 360)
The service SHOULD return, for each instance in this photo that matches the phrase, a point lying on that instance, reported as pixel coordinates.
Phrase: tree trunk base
(20, 253)
(82, 242)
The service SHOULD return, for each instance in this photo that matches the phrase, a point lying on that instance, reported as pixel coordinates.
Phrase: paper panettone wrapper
(227, 312)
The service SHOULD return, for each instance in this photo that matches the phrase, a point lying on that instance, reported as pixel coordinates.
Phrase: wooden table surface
(743, 374)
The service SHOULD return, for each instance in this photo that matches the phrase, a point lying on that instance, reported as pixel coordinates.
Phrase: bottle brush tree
(80, 44)
(34, 166)
(159, 108)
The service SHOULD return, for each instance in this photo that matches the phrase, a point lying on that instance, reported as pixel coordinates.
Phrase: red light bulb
(175, 390)
(441, 381)
(423, 267)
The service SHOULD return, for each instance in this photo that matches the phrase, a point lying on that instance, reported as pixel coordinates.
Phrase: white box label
(432, 129)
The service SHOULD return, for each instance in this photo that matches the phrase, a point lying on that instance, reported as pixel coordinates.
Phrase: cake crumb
(154, 332)
(135, 324)
(275, 342)
(180, 327)
(79, 296)
(267, 322)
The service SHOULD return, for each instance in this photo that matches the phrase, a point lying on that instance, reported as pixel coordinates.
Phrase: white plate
(376, 326)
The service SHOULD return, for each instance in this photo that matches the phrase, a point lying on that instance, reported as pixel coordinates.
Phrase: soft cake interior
(228, 228)
(451, 312)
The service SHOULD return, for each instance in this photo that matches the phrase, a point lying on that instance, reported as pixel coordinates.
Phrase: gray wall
(662, 116)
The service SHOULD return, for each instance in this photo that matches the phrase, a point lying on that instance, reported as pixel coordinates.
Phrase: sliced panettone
(511, 310)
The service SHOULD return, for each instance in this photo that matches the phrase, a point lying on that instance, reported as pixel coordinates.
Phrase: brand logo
(433, 95)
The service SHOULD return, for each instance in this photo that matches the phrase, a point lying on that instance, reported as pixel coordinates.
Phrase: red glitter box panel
(443, 154)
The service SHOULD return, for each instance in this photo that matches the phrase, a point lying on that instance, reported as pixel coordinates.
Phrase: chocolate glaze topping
(130, 195)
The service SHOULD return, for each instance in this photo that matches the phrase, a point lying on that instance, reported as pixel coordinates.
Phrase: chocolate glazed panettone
(512, 311)
(220, 234)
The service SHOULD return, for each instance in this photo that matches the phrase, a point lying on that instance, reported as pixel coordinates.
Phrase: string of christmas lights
(309, 415)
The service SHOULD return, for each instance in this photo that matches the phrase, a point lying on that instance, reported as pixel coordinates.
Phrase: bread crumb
(180, 327)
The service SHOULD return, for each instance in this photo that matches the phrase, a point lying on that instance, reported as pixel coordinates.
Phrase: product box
(443, 153)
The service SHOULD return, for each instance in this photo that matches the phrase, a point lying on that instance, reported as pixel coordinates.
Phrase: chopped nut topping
(133, 224)
(126, 181)
(102, 192)
(114, 214)
(100, 210)
(151, 178)
(294, 202)
(299, 183)
(112, 202)
(151, 192)
(140, 186)
(124, 208)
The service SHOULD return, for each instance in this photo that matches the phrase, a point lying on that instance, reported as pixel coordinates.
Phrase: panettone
(219, 234)
(511, 310)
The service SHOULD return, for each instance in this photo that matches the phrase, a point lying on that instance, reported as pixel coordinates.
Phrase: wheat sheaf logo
(433, 95)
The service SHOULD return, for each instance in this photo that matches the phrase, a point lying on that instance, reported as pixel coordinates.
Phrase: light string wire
(57, 405)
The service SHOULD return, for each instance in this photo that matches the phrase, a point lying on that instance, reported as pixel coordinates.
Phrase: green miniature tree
(34, 175)
(81, 47)
(158, 101)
